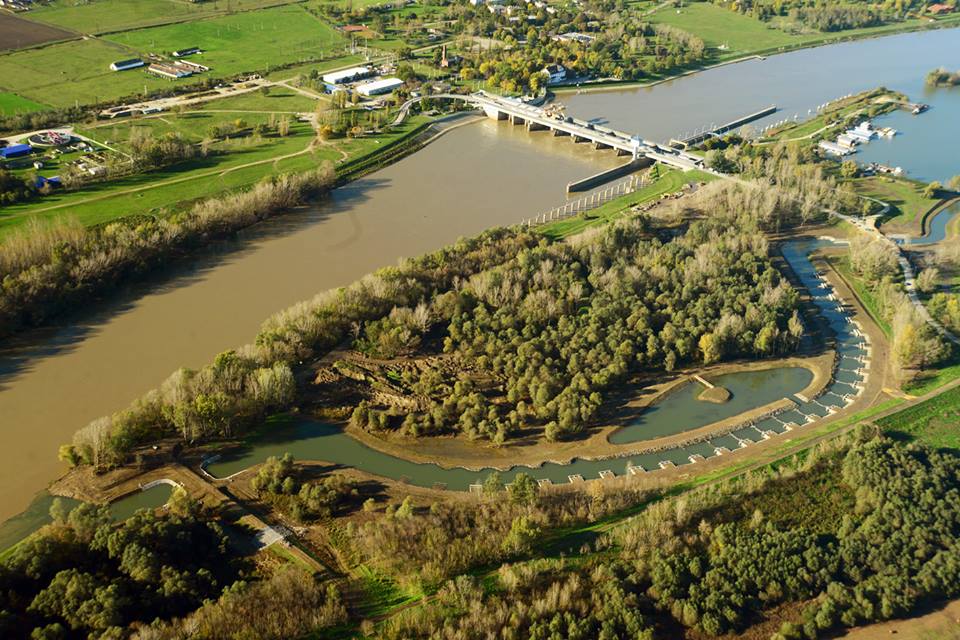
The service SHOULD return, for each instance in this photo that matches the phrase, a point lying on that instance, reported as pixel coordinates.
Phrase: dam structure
(537, 118)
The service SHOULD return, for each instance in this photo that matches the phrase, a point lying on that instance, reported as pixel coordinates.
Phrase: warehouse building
(15, 151)
(123, 65)
(379, 87)
(347, 75)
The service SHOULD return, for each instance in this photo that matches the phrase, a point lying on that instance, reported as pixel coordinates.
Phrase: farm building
(379, 87)
(123, 65)
(169, 71)
(15, 151)
(347, 75)
(189, 51)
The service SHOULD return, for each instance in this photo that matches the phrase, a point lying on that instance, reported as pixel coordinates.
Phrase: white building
(123, 65)
(379, 87)
(347, 75)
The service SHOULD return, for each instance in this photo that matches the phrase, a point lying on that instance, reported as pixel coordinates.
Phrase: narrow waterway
(483, 175)
(936, 226)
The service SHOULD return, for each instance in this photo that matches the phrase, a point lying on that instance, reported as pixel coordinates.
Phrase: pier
(692, 140)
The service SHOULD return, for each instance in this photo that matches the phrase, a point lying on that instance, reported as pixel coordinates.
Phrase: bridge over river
(540, 118)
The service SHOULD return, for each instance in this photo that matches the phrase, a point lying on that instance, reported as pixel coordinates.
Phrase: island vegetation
(943, 78)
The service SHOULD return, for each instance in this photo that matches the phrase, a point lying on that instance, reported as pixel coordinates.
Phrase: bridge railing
(591, 201)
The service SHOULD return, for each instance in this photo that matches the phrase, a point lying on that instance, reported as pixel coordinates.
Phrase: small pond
(681, 411)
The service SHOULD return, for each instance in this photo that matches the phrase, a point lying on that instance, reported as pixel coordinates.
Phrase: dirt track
(17, 33)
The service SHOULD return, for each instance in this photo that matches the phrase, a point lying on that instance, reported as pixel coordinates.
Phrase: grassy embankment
(931, 379)
(909, 204)
(827, 122)
(107, 16)
(240, 163)
(670, 181)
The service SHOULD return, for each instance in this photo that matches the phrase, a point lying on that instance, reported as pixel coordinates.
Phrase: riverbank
(760, 54)
(145, 247)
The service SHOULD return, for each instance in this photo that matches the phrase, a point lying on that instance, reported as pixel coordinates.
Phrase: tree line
(241, 386)
(87, 576)
(47, 268)
(696, 562)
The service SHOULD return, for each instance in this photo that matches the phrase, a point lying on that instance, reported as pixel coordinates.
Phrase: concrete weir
(603, 177)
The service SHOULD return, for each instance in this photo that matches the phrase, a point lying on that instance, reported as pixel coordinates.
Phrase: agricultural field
(63, 74)
(11, 103)
(252, 41)
(104, 16)
(17, 33)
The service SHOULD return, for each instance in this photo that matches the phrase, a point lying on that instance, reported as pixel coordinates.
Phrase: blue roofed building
(15, 151)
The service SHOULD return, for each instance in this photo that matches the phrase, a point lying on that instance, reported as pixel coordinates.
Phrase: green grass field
(251, 41)
(177, 187)
(905, 195)
(670, 181)
(718, 26)
(79, 71)
(11, 104)
(866, 296)
(62, 74)
(935, 421)
(99, 16)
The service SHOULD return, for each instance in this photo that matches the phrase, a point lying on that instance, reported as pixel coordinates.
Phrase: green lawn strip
(284, 554)
(278, 99)
(744, 35)
(156, 189)
(12, 104)
(670, 180)
(935, 421)
(164, 191)
(841, 265)
(304, 69)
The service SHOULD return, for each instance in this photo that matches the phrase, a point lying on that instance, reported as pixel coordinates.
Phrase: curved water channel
(677, 413)
(938, 227)
(55, 381)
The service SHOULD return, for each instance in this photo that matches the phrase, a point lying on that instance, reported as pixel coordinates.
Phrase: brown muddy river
(472, 178)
